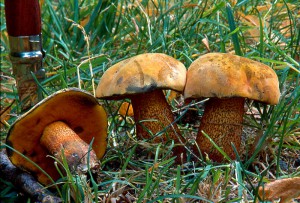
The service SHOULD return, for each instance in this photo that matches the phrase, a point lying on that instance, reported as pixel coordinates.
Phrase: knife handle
(23, 17)
(23, 23)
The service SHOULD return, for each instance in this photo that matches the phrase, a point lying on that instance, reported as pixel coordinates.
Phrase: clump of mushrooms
(142, 79)
(65, 122)
(227, 80)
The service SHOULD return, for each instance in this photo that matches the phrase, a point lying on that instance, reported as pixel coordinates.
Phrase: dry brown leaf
(283, 189)
(265, 8)
(253, 33)
(84, 21)
(126, 109)
(155, 166)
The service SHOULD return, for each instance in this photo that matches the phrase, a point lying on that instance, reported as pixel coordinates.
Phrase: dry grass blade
(285, 189)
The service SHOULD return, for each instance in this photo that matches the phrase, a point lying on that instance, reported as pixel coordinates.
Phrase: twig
(24, 181)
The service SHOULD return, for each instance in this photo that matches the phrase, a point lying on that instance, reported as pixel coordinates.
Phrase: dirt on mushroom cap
(77, 108)
(226, 75)
(142, 73)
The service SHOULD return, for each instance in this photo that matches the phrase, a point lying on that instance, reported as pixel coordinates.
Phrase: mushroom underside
(79, 110)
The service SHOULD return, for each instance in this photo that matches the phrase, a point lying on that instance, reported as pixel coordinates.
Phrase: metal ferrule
(26, 55)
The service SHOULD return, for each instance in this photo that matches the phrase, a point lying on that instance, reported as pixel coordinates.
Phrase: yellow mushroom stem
(152, 113)
(222, 121)
(61, 141)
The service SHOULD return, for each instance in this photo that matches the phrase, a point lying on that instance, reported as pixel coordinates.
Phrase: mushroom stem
(153, 106)
(222, 122)
(61, 140)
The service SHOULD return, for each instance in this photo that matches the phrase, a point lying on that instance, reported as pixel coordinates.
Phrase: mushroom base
(222, 122)
(61, 141)
(152, 114)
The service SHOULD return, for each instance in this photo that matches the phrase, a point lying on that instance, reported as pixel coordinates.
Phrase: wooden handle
(23, 17)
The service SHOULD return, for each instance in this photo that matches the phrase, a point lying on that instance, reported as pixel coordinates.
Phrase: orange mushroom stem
(61, 141)
(154, 114)
(222, 121)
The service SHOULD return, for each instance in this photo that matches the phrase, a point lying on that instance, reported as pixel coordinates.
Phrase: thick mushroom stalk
(222, 121)
(61, 141)
(154, 114)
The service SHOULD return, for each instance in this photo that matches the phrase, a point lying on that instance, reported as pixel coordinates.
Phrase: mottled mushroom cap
(225, 75)
(77, 108)
(140, 74)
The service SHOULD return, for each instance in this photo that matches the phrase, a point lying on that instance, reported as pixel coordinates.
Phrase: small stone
(283, 165)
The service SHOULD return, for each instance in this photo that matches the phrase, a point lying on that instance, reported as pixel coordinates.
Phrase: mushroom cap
(77, 108)
(140, 74)
(225, 75)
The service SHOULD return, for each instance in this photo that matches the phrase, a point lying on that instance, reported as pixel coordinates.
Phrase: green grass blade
(232, 27)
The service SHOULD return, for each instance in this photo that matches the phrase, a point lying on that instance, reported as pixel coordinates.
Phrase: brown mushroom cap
(140, 74)
(226, 75)
(75, 107)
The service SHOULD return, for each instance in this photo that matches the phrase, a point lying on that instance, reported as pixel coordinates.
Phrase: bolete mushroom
(227, 80)
(65, 122)
(142, 78)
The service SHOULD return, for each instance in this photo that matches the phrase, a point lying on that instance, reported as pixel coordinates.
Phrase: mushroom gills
(222, 122)
(61, 141)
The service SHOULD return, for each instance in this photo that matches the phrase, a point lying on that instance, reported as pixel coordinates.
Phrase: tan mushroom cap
(226, 75)
(77, 108)
(140, 74)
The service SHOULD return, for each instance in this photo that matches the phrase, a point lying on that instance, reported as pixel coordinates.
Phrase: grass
(82, 39)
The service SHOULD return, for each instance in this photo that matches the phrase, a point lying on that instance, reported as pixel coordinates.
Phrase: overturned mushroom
(65, 122)
(227, 80)
(142, 79)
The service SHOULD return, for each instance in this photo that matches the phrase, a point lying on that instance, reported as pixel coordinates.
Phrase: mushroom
(227, 80)
(65, 122)
(143, 78)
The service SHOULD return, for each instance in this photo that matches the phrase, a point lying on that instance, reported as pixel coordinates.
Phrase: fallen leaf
(126, 109)
(283, 189)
